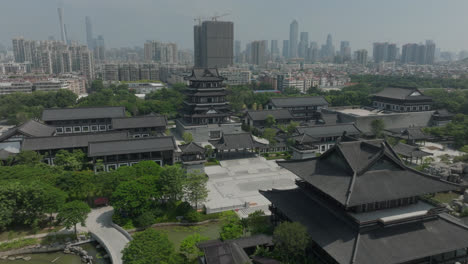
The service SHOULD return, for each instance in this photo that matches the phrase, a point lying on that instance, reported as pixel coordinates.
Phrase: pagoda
(205, 98)
(206, 111)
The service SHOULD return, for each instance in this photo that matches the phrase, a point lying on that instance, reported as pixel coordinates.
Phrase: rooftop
(329, 130)
(298, 101)
(402, 94)
(30, 128)
(128, 146)
(139, 122)
(235, 141)
(57, 114)
(276, 113)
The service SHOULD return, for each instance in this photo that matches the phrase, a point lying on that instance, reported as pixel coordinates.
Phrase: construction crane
(215, 17)
(199, 19)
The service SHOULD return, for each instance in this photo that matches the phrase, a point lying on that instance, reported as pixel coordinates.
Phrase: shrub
(192, 216)
(144, 220)
(183, 208)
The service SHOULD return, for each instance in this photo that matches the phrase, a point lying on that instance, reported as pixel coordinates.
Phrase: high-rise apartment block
(54, 57)
(418, 53)
(361, 57)
(89, 33)
(258, 56)
(293, 39)
(274, 49)
(385, 52)
(160, 52)
(214, 44)
(345, 50)
(303, 45)
(285, 48)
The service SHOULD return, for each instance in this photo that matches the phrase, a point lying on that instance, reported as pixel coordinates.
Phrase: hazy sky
(131, 22)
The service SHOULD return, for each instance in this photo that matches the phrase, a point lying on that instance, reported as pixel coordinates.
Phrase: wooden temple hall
(361, 205)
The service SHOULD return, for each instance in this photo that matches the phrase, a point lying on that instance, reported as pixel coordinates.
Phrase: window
(109, 127)
(68, 130)
(158, 162)
(133, 163)
(59, 130)
(145, 135)
(102, 127)
(111, 167)
(85, 129)
(136, 136)
(123, 165)
(94, 128)
(215, 134)
(77, 129)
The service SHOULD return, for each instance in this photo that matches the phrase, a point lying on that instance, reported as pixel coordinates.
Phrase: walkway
(99, 223)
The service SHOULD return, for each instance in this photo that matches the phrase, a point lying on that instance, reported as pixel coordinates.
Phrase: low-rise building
(402, 100)
(141, 126)
(15, 87)
(235, 76)
(305, 108)
(110, 155)
(259, 118)
(145, 88)
(51, 85)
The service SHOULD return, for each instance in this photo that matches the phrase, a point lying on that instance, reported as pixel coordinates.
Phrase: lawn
(177, 233)
(445, 197)
(22, 231)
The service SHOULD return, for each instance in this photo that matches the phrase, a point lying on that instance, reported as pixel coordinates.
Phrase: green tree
(132, 197)
(291, 128)
(144, 220)
(258, 223)
(73, 213)
(232, 229)
(188, 246)
(270, 121)
(172, 182)
(73, 161)
(149, 247)
(377, 127)
(27, 157)
(291, 240)
(53, 199)
(269, 134)
(64, 98)
(79, 185)
(195, 188)
(208, 150)
(187, 136)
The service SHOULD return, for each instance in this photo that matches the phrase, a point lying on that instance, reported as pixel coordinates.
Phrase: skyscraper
(293, 38)
(99, 49)
(361, 57)
(285, 48)
(214, 44)
(237, 50)
(430, 51)
(89, 33)
(345, 50)
(258, 52)
(409, 53)
(329, 49)
(392, 52)
(274, 49)
(303, 45)
(62, 26)
(18, 49)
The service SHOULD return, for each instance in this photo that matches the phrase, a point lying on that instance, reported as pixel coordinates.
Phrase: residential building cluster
(76, 84)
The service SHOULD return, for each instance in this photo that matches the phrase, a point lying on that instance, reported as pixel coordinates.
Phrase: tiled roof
(30, 128)
(401, 94)
(236, 141)
(128, 146)
(298, 101)
(329, 130)
(278, 114)
(56, 114)
(139, 122)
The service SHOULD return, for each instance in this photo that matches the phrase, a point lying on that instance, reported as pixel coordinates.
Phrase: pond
(61, 258)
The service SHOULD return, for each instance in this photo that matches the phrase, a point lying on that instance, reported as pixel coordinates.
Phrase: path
(99, 223)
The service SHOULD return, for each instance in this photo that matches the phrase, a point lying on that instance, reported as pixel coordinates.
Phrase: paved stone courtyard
(235, 184)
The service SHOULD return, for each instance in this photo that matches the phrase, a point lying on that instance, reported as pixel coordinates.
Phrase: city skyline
(338, 18)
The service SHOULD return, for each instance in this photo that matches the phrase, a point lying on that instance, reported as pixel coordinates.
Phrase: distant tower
(293, 38)
(89, 33)
(214, 44)
(62, 26)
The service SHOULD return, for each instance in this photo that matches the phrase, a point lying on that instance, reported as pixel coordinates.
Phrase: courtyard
(234, 184)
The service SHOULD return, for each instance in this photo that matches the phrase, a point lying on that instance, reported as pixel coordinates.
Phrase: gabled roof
(298, 101)
(56, 114)
(361, 172)
(443, 113)
(402, 94)
(30, 128)
(415, 133)
(395, 243)
(329, 130)
(235, 141)
(128, 146)
(192, 147)
(261, 115)
(139, 122)
(205, 74)
(410, 151)
(69, 141)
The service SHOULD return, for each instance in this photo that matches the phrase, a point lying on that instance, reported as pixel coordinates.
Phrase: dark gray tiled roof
(329, 130)
(384, 245)
(298, 101)
(69, 141)
(128, 146)
(410, 151)
(415, 133)
(205, 74)
(30, 128)
(235, 141)
(139, 122)
(56, 114)
(278, 114)
(401, 94)
(355, 173)
(192, 147)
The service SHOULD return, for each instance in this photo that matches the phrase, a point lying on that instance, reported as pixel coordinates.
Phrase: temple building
(193, 157)
(206, 113)
(402, 100)
(239, 145)
(362, 205)
(303, 108)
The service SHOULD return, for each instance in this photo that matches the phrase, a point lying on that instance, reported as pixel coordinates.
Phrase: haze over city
(129, 23)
